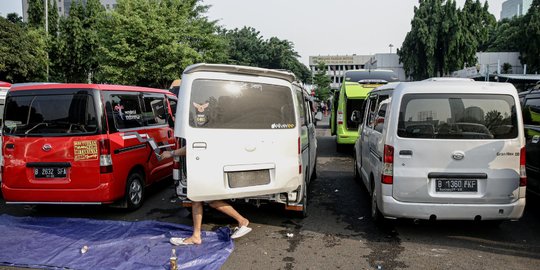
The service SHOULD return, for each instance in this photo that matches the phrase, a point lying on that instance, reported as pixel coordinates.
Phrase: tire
(304, 212)
(134, 191)
(314, 174)
(357, 176)
(376, 215)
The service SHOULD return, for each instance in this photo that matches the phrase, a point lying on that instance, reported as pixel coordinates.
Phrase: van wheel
(134, 191)
(376, 215)
(357, 176)
(304, 212)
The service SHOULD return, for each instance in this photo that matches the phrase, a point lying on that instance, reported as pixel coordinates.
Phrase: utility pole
(47, 33)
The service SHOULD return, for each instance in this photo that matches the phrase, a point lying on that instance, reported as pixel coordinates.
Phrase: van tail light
(340, 117)
(299, 156)
(105, 160)
(522, 168)
(388, 165)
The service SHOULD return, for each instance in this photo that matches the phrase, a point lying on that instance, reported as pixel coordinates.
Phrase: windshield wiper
(36, 126)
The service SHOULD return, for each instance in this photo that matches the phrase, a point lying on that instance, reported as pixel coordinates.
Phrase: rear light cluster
(388, 165)
(105, 160)
(522, 168)
(340, 117)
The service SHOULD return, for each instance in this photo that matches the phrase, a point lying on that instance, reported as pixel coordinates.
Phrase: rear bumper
(392, 208)
(102, 194)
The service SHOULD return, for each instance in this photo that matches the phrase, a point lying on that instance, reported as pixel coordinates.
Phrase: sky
(316, 27)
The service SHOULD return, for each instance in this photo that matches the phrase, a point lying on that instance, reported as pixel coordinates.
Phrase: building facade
(65, 5)
(513, 8)
(336, 65)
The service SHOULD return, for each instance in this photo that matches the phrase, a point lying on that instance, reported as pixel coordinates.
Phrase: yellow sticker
(85, 150)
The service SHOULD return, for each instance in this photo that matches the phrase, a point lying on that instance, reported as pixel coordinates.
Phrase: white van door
(456, 148)
(241, 135)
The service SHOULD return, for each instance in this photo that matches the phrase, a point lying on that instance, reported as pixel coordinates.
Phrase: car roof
(244, 70)
(461, 86)
(109, 87)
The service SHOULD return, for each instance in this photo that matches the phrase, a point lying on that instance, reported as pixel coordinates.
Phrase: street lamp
(391, 46)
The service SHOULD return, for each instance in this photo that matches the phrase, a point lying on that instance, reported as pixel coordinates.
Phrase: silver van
(249, 134)
(443, 150)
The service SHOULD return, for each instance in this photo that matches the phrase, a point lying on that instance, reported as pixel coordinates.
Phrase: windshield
(51, 115)
(240, 105)
(447, 116)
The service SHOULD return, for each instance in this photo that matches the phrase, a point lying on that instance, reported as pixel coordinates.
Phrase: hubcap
(135, 192)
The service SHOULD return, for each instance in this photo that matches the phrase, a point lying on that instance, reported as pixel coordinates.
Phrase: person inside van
(197, 211)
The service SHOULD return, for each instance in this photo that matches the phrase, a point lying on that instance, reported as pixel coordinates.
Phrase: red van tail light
(388, 165)
(105, 160)
(522, 168)
(340, 117)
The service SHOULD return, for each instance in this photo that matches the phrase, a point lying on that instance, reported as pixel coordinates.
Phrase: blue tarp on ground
(54, 243)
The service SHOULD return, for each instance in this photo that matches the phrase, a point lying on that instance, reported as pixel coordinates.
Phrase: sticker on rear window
(85, 150)
(200, 108)
(279, 126)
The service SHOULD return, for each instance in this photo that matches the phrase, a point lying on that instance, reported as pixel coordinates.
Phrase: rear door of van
(51, 139)
(241, 135)
(456, 146)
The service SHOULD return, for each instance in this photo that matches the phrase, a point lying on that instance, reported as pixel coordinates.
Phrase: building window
(108, 6)
(59, 9)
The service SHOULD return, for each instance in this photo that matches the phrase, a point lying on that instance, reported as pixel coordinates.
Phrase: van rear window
(457, 116)
(51, 115)
(240, 105)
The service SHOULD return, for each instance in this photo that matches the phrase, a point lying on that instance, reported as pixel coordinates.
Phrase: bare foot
(193, 240)
(244, 222)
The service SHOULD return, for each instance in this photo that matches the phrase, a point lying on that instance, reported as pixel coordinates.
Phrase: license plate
(456, 185)
(50, 172)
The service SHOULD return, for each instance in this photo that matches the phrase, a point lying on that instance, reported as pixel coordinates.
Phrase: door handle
(405, 153)
(199, 145)
(169, 133)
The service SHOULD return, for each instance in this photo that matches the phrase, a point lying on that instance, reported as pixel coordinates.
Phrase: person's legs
(197, 212)
(230, 211)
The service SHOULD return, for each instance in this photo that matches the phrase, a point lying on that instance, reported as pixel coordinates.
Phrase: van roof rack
(246, 70)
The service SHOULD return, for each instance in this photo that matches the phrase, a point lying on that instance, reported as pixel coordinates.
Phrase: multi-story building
(65, 5)
(512, 8)
(336, 65)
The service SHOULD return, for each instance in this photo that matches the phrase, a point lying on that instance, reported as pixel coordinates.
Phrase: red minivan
(85, 143)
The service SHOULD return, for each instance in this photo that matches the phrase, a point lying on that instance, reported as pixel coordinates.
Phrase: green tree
(22, 53)
(36, 11)
(245, 47)
(53, 18)
(530, 50)
(150, 43)
(14, 18)
(505, 36)
(321, 82)
(443, 38)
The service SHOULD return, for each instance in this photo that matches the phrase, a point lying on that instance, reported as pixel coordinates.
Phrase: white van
(446, 150)
(249, 133)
